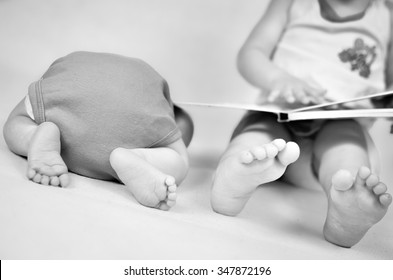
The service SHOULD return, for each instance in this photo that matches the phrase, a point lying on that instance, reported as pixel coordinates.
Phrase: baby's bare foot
(238, 175)
(45, 165)
(354, 206)
(149, 186)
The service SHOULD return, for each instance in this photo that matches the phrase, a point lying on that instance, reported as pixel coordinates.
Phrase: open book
(321, 111)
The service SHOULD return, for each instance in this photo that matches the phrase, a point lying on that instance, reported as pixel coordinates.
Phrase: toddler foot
(45, 165)
(238, 175)
(149, 186)
(354, 206)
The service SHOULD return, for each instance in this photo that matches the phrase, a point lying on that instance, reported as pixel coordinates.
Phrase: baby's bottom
(150, 174)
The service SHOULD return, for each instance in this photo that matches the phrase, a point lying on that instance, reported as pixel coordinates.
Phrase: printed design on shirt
(360, 57)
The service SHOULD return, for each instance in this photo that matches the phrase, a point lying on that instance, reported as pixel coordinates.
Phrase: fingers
(302, 96)
(291, 95)
(274, 95)
(299, 92)
(316, 95)
(285, 93)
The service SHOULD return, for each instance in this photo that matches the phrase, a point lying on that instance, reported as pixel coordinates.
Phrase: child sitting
(306, 52)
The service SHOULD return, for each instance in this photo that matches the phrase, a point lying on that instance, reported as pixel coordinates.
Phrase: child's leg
(251, 159)
(185, 124)
(40, 144)
(356, 198)
(151, 174)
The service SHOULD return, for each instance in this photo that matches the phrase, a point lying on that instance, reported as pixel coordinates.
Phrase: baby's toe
(172, 188)
(342, 180)
(380, 189)
(45, 180)
(372, 181)
(246, 157)
(54, 181)
(364, 172)
(259, 152)
(289, 154)
(37, 178)
(171, 203)
(172, 196)
(31, 173)
(161, 190)
(271, 150)
(385, 199)
(64, 180)
(163, 206)
(170, 181)
(280, 144)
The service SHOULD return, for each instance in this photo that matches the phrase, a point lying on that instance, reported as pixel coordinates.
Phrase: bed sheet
(93, 219)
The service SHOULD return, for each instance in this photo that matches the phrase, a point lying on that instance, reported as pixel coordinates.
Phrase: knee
(349, 130)
(340, 140)
(185, 124)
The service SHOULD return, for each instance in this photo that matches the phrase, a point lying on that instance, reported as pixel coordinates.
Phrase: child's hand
(291, 90)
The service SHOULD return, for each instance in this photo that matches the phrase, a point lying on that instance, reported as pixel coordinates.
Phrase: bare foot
(238, 175)
(149, 186)
(354, 206)
(45, 165)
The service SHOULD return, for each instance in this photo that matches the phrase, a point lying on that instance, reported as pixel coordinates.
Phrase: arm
(389, 62)
(387, 102)
(389, 58)
(254, 59)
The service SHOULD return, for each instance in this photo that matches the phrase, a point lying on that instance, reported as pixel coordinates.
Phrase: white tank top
(346, 58)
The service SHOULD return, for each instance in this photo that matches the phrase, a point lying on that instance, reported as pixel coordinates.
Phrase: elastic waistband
(37, 102)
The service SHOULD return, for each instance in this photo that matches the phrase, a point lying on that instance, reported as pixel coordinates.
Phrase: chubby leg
(152, 175)
(356, 198)
(252, 158)
(40, 144)
(185, 124)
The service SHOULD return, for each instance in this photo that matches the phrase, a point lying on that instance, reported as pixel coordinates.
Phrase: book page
(336, 104)
(288, 108)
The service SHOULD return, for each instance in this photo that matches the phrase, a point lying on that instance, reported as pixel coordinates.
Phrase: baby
(305, 52)
(103, 116)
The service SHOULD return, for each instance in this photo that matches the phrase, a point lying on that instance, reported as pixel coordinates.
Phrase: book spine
(283, 117)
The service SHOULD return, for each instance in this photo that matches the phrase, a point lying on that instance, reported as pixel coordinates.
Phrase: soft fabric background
(193, 44)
